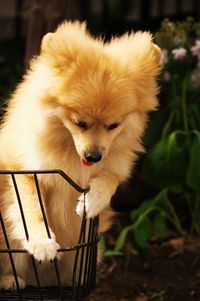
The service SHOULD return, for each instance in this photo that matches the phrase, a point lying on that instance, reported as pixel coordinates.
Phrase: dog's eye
(112, 126)
(81, 124)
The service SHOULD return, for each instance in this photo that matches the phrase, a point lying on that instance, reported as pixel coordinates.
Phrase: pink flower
(164, 57)
(196, 49)
(179, 53)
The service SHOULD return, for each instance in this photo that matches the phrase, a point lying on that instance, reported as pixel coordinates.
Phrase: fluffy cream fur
(76, 78)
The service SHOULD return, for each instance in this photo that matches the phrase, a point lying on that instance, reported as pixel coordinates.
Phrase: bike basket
(84, 258)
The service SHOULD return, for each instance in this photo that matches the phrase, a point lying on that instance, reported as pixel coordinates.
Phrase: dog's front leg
(36, 239)
(102, 188)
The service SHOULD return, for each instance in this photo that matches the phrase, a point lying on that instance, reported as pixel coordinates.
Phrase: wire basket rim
(46, 171)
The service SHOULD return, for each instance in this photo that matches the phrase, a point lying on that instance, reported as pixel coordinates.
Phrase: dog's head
(99, 90)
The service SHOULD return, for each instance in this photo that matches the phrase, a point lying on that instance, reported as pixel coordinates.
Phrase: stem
(175, 219)
(184, 107)
(168, 124)
(144, 214)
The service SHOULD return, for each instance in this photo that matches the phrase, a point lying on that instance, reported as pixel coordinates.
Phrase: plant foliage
(172, 164)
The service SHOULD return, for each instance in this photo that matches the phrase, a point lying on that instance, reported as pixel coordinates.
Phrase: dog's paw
(42, 249)
(95, 201)
(80, 205)
(8, 282)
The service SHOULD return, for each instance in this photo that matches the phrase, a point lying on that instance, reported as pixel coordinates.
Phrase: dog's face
(99, 88)
(95, 112)
(92, 137)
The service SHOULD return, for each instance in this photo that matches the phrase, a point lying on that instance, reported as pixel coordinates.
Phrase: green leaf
(122, 238)
(144, 207)
(111, 253)
(193, 172)
(143, 231)
(160, 226)
(165, 166)
(151, 205)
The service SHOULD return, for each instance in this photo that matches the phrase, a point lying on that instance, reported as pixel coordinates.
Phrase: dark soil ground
(170, 272)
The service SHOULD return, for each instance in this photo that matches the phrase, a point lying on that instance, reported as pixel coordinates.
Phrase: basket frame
(85, 259)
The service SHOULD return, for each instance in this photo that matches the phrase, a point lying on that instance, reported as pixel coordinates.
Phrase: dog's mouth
(86, 163)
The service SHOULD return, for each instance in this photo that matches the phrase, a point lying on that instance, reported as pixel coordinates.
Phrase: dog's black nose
(93, 157)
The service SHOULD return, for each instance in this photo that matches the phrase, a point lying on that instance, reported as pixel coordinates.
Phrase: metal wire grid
(85, 259)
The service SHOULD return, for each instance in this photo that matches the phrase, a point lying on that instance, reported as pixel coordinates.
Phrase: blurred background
(162, 198)
(24, 22)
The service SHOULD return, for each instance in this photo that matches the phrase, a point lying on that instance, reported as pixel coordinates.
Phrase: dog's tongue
(86, 163)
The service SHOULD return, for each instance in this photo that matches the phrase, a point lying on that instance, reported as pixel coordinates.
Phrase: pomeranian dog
(82, 108)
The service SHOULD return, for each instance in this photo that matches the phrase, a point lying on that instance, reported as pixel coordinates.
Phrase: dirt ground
(170, 272)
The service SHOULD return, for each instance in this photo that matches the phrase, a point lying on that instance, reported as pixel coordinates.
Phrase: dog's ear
(61, 48)
(46, 40)
(134, 49)
(140, 58)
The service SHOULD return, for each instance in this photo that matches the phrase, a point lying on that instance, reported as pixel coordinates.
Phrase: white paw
(95, 201)
(7, 282)
(80, 205)
(44, 249)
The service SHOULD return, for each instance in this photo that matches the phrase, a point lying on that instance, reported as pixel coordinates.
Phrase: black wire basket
(83, 278)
